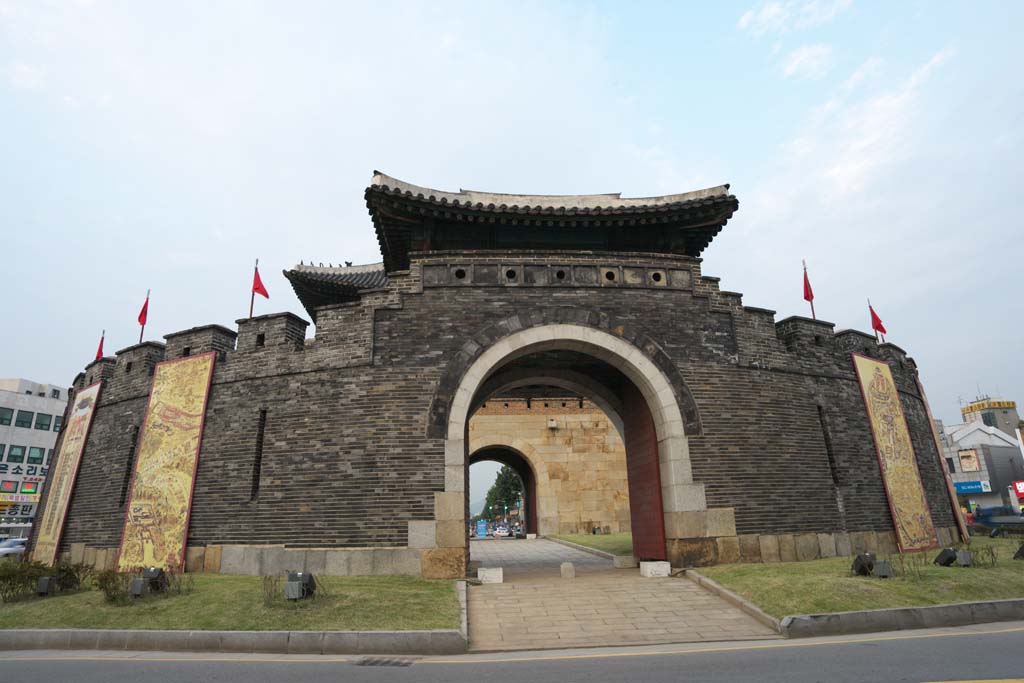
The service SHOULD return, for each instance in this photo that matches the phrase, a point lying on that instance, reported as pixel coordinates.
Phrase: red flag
(876, 322)
(257, 285)
(99, 349)
(144, 312)
(808, 292)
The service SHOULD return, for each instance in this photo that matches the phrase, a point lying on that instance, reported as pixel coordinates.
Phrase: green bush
(18, 580)
(115, 586)
(71, 577)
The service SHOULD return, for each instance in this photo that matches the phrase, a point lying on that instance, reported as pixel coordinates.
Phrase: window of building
(16, 454)
(57, 420)
(2, 448)
(950, 466)
(35, 455)
(43, 421)
(8, 486)
(54, 393)
(989, 419)
(24, 419)
(5, 416)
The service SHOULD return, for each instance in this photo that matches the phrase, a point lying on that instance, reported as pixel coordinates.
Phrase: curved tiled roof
(323, 285)
(404, 213)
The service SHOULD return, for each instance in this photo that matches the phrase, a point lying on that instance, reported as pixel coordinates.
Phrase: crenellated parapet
(277, 331)
(200, 339)
(133, 371)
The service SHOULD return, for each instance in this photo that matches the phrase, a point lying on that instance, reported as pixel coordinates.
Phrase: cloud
(24, 76)
(808, 61)
(778, 17)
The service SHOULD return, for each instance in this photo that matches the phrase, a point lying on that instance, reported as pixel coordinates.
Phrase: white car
(501, 532)
(12, 547)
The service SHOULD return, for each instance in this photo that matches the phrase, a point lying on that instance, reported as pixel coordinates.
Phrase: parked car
(12, 547)
(501, 532)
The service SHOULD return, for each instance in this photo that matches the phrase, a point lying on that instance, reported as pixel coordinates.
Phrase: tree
(504, 493)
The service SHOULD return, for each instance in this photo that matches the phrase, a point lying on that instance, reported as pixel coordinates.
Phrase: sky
(167, 146)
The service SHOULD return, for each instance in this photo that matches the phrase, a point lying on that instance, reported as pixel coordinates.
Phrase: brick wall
(352, 451)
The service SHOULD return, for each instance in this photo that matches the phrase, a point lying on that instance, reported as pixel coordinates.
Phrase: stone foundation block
(422, 534)
(844, 548)
(684, 497)
(449, 505)
(826, 545)
(211, 559)
(769, 548)
(728, 549)
(450, 534)
(396, 562)
(231, 561)
(360, 562)
(750, 548)
(194, 557)
(490, 575)
(858, 544)
(807, 547)
(443, 563)
(887, 543)
(691, 524)
(692, 552)
(315, 561)
(787, 548)
(942, 532)
(651, 570)
(77, 553)
(871, 541)
(721, 522)
(568, 570)
(89, 556)
(337, 562)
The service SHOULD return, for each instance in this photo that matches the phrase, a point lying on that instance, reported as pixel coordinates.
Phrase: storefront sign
(969, 460)
(1018, 488)
(973, 486)
(19, 497)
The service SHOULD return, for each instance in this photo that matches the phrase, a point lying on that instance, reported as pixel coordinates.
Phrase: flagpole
(872, 322)
(143, 330)
(252, 294)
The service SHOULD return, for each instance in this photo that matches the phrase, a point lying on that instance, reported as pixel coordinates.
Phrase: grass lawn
(616, 544)
(220, 602)
(784, 588)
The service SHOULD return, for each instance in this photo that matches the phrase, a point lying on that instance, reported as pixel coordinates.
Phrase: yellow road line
(741, 648)
(324, 659)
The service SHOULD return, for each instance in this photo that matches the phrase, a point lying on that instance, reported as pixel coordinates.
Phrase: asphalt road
(988, 652)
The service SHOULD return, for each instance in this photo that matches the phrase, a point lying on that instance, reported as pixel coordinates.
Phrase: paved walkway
(522, 556)
(538, 610)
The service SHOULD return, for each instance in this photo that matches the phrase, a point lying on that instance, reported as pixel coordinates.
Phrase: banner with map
(63, 474)
(160, 501)
(907, 502)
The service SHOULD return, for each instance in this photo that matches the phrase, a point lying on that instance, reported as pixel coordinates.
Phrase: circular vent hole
(610, 275)
(460, 274)
(510, 274)
(656, 277)
(560, 275)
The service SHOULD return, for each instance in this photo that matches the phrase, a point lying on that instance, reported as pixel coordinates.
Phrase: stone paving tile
(536, 610)
(529, 555)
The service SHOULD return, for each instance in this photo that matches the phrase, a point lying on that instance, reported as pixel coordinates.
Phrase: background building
(30, 418)
(984, 455)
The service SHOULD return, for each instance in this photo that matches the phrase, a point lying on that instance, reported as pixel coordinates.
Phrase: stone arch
(647, 368)
(513, 452)
(570, 380)
(467, 355)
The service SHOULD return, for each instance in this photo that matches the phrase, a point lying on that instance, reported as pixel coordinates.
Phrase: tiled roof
(677, 223)
(322, 285)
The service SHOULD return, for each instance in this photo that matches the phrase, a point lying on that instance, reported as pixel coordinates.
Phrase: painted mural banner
(63, 474)
(908, 505)
(160, 499)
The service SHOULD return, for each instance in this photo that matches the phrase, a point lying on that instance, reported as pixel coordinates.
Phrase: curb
(736, 600)
(576, 546)
(902, 618)
(439, 642)
(446, 642)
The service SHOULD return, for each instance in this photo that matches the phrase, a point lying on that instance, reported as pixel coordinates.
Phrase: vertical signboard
(907, 502)
(63, 474)
(156, 523)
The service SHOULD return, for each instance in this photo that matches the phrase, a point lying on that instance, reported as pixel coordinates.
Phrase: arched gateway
(738, 437)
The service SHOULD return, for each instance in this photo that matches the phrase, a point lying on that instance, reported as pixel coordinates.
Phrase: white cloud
(778, 17)
(808, 61)
(24, 76)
